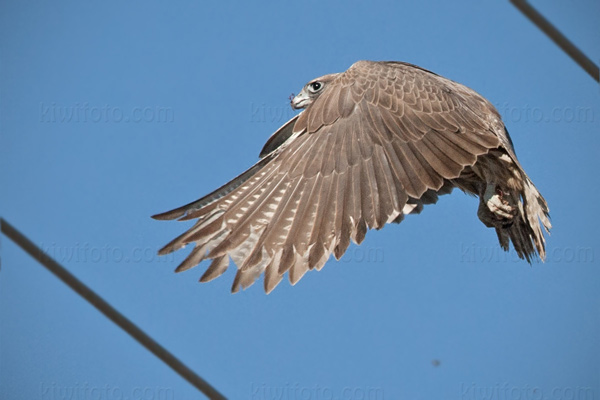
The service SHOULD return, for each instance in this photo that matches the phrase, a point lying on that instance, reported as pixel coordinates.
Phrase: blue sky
(113, 111)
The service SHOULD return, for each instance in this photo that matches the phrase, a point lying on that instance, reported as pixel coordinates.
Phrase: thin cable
(558, 38)
(110, 312)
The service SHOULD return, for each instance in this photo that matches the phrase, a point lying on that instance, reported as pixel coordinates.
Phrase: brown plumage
(373, 144)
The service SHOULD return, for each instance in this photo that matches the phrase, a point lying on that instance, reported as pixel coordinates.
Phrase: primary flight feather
(373, 144)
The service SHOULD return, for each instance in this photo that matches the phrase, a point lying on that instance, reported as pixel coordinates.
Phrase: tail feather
(526, 231)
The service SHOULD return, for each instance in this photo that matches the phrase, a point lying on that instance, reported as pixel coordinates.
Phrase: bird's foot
(495, 208)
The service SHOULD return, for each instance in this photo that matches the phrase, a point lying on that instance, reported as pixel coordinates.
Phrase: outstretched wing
(380, 135)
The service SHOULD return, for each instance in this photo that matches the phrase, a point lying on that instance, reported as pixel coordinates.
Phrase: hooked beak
(300, 101)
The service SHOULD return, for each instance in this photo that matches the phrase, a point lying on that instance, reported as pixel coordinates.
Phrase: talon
(499, 192)
(494, 199)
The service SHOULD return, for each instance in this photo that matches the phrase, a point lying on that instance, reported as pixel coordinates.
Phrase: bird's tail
(526, 231)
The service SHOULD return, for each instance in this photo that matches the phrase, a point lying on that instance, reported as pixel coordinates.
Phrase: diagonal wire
(110, 312)
(558, 38)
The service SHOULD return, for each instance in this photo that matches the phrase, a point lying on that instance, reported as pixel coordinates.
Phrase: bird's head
(311, 91)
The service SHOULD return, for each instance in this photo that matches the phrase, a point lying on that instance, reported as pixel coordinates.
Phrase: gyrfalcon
(373, 144)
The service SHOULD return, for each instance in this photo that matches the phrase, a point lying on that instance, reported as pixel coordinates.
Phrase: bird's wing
(379, 135)
(277, 139)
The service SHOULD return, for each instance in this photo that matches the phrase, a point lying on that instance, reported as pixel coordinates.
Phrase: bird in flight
(372, 144)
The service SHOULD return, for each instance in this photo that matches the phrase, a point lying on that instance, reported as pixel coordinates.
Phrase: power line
(558, 38)
(110, 312)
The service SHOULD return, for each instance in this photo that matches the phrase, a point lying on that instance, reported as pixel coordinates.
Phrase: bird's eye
(315, 87)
